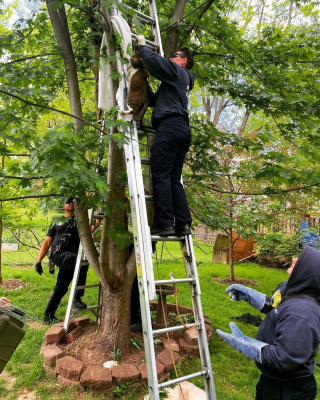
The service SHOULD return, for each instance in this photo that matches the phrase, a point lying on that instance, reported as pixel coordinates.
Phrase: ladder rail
(201, 329)
(73, 288)
(70, 312)
(141, 271)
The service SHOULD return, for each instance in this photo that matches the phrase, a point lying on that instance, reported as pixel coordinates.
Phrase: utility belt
(157, 121)
(57, 247)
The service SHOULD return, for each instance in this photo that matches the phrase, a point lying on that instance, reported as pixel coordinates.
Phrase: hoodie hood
(305, 277)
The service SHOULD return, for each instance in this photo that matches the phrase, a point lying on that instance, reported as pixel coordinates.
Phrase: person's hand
(141, 40)
(5, 299)
(38, 268)
(242, 343)
(251, 296)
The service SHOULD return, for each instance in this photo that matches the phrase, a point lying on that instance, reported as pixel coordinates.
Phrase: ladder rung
(172, 329)
(145, 161)
(148, 198)
(148, 42)
(182, 379)
(183, 280)
(167, 238)
(87, 286)
(145, 17)
(84, 263)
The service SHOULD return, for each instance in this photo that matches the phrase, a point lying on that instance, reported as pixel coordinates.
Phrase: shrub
(274, 249)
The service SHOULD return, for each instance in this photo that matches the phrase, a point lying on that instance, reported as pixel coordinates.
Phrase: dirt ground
(227, 281)
(12, 284)
(84, 349)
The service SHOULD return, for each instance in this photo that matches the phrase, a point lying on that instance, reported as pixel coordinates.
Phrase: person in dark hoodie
(173, 138)
(288, 339)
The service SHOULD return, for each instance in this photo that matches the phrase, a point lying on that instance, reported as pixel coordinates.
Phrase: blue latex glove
(251, 296)
(242, 343)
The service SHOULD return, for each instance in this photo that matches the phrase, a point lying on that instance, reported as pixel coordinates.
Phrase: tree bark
(231, 258)
(178, 11)
(207, 103)
(290, 13)
(188, 32)
(61, 30)
(219, 107)
(244, 122)
(115, 323)
(115, 271)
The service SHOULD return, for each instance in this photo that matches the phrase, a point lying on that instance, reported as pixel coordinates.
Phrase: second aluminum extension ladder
(143, 251)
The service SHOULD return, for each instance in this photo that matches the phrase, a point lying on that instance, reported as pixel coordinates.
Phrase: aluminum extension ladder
(143, 251)
(71, 312)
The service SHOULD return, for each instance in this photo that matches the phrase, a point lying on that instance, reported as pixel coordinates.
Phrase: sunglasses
(175, 55)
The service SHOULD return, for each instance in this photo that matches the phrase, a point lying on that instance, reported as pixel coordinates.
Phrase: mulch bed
(12, 284)
(227, 281)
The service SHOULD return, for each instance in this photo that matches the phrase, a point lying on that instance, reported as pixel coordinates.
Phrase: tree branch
(267, 192)
(32, 197)
(29, 103)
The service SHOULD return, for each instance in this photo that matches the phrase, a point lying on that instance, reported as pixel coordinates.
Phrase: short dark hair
(68, 200)
(189, 55)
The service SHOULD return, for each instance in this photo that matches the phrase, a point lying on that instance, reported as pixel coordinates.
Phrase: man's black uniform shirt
(57, 228)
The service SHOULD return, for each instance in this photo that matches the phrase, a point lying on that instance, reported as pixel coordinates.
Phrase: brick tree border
(72, 373)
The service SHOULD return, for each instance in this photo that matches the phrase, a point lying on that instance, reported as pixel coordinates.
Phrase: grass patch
(235, 375)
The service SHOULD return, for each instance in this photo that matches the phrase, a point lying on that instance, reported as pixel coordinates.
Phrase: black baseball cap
(68, 200)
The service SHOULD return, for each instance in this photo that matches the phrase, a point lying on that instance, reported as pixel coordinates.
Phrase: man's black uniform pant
(172, 142)
(299, 389)
(66, 262)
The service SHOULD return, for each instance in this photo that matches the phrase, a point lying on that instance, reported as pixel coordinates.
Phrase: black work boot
(164, 232)
(137, 327)
(50, 320)
(183, 230)
(78, 304)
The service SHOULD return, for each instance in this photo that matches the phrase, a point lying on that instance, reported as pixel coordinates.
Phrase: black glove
(38, 268)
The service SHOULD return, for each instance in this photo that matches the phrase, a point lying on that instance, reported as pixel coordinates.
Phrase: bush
(276, 249)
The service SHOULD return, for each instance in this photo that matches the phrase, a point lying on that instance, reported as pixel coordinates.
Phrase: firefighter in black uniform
(173, 138)
(63, 238)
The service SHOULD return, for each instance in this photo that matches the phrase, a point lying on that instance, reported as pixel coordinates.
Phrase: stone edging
(71, 372)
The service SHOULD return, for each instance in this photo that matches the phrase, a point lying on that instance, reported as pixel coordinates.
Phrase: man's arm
(44, 248)
(158, 66)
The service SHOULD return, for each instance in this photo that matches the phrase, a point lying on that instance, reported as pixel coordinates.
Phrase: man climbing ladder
(173, 138)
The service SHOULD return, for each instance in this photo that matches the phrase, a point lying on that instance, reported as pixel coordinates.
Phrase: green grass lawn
(235, 375)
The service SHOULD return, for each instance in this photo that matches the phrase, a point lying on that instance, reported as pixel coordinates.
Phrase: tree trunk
(178, 11)
(115, 271)
(290, 13)
(244, 123)
(115, 323)
(231, 259)
(219, 107)
(206, 101)
(61, 30)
